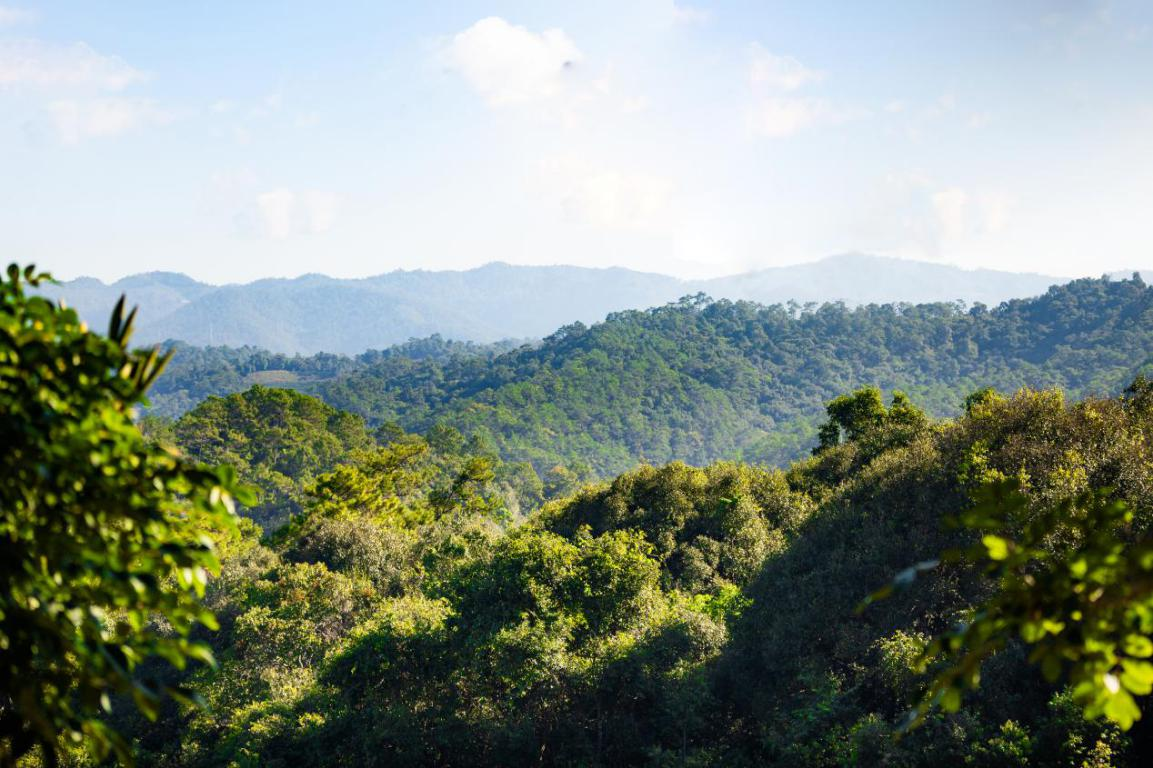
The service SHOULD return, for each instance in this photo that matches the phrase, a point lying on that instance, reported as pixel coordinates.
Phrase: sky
(234, 141)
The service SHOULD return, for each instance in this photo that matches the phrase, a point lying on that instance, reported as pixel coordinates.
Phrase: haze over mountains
(315, 313)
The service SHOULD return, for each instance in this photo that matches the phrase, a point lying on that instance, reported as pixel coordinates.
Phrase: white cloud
(319, 210)
(951, 209)
(607, 197)
(996, 210)
(781, 73)
(276, 212)
(510, 64)
(780, 117)
(776, 110)
(10, 15)
(45, 65)
(979, 120)
(231, 181)
(916, 215)
(964, 213)
(687, 14)
(76, 120)
(284, 212)
(917, 120)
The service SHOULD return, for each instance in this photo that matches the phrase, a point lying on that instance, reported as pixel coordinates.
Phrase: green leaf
(1121, 709)
(1138, 646)
(996, 547)
(1138, 670)
(950, 699)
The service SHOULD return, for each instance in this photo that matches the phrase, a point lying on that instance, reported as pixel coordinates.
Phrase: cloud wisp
(37, 64)
(688, 14)
(509, 64)
(606, 197)
(780, 73)
(284, 212)
(10, 16)
(78, 119)
(778, 110)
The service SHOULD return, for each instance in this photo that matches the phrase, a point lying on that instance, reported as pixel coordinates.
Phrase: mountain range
(315, 313)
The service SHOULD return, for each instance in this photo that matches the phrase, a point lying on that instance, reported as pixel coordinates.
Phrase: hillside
(194, 373)
(672, 616)
(701, 380)
(496, 301)
(421, 600)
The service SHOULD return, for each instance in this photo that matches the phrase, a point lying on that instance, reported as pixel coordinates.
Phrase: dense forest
(415, 612)
(703, 380)
(915, 591)
(195, 373)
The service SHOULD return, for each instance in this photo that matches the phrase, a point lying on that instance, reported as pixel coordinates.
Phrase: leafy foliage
(425, 605)
(710, 528)
(195, 373)
(863, 419)
(104, 537)
(675, 615)
(1070, 585)
(277, 439)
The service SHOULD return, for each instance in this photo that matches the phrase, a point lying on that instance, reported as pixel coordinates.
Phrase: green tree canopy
(275, 438)
(104, 545)
(861, 417)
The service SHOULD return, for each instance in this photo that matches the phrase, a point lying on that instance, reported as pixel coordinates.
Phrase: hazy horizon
(191, 273)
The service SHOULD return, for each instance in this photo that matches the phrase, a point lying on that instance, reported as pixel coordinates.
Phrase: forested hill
(415, 600)
(494, 302)
(674, 616)
(699, 379)
(195, 373)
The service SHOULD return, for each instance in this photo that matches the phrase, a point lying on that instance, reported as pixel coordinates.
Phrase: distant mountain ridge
(315, 313)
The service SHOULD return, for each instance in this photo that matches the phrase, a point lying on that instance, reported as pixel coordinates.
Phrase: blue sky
(233, 141)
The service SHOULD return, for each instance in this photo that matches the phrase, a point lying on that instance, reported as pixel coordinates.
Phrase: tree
(277, 439)
(861, 417)
(1069, 583)
(104, 536)
(852, 417)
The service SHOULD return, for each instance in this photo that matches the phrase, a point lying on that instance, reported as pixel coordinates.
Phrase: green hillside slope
(701, 380)
(672, 616)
